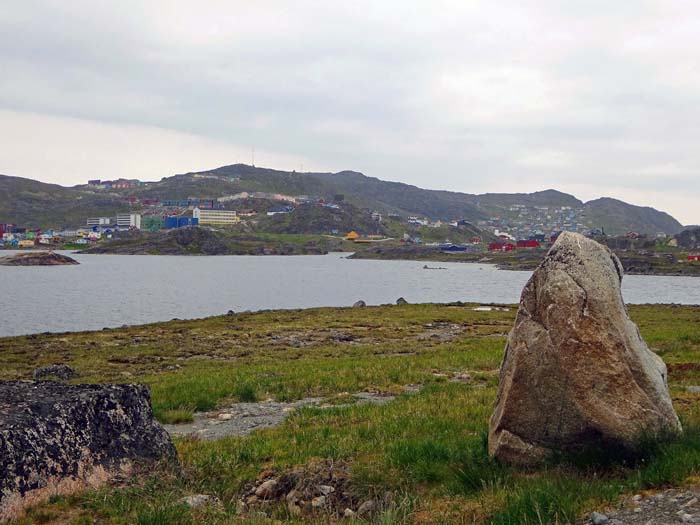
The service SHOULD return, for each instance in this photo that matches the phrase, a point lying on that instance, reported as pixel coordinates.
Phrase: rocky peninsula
(47, 258)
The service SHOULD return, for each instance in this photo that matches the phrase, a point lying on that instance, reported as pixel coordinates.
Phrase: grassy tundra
(427, 449)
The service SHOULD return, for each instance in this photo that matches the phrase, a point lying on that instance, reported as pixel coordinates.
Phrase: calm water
(112, 290)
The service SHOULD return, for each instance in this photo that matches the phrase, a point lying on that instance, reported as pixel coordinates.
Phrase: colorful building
(219, 217)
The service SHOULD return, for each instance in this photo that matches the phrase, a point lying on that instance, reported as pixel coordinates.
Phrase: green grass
(428, 449)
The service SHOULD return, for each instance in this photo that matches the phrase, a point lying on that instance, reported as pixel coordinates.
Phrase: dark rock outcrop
(58, 371)
(576, 373)
(57, 438)
(688, 239)
(37, 259)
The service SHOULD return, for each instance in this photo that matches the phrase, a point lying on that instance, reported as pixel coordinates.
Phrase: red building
(530, 243)
(694, 257)
(502, 247)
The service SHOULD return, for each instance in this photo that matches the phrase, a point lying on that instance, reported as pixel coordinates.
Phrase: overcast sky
(591, 97)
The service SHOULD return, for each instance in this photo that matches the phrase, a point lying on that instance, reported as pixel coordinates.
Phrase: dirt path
(240, 419)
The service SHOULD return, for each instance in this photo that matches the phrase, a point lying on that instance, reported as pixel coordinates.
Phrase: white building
(220, 217)
(129, 220)
(99, 221)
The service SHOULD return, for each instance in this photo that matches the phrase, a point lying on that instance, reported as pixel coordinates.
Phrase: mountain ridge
(39, 204)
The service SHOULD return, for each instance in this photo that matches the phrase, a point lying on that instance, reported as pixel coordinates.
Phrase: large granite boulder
(57, 438)
(576, 372)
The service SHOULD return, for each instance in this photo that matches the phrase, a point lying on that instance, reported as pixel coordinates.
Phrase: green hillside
(39, 205)
(618, 217)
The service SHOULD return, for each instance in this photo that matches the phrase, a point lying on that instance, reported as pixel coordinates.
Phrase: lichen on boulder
(576, 372)
(57, 439)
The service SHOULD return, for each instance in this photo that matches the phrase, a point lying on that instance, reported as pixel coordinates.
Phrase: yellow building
(26, 243)
(353, 235)
(220, 217)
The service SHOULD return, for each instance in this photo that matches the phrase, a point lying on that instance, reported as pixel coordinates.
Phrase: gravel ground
(670, 507)
(240, 419)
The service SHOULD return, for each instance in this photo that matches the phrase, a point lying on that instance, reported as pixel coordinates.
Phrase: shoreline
(475, 306)
(507, 263)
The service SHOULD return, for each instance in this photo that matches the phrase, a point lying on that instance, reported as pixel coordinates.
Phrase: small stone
(318, 502)
(599, 519)
(637, 498)
(225, 417)
(251, 500)
(196, 501)
(267, 489)
(693, 389)
(326, 489)
(366, 508)
(464, 377)
(59, 371)
(690, 503)
(348, 513)
(687, 518)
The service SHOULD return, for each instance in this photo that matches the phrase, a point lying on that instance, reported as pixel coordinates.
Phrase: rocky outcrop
(58, 371)
(56, 438)
(37, 259)
(576, 372)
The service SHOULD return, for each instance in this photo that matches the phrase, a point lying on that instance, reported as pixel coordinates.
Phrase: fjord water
(113, 290)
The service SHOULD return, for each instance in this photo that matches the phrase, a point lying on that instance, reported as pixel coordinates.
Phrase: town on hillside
(517, 227)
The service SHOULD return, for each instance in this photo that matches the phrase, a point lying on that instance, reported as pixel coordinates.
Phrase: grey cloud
(470, 96)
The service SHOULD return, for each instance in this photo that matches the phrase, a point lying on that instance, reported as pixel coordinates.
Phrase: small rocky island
(37, 259)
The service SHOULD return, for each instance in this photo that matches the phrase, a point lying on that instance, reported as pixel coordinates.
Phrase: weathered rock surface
(59, 371)
(669, 507)
(57, 438)
(37, 259)
(576, 372)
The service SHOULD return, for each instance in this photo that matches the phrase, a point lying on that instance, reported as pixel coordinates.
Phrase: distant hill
(538, 198)
(618, 217)
(689, 239)
(39, 205)
(36, 204)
